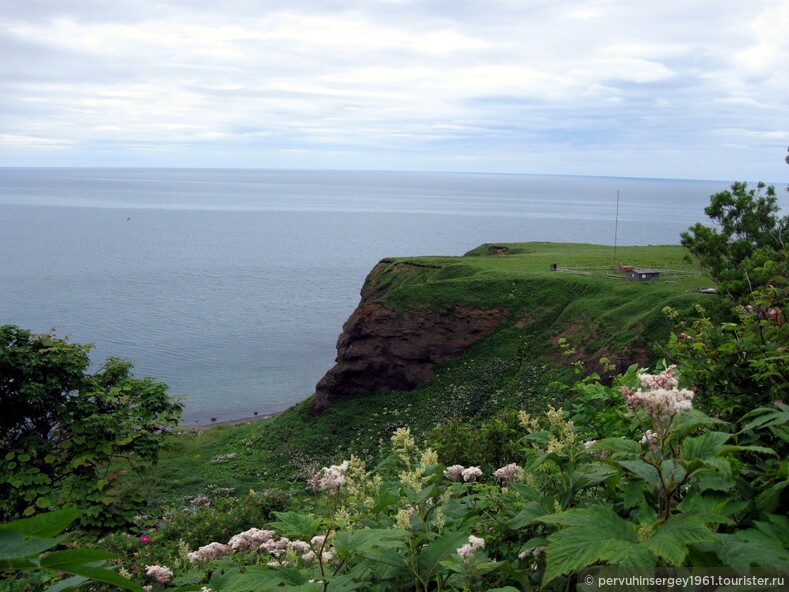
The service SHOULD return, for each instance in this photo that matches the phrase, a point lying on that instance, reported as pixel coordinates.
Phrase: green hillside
(522, 364)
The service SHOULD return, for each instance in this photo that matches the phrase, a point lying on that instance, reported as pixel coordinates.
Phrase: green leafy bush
(649, 482)
(67, 437)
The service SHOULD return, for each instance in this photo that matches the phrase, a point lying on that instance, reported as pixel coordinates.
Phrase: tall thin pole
(616, 224)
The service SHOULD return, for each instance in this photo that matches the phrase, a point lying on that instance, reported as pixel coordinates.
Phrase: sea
(232, 286)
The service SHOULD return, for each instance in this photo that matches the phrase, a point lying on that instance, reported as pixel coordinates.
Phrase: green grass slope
(520, 365)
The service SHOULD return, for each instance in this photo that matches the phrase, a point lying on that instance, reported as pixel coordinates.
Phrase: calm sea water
(232, 285)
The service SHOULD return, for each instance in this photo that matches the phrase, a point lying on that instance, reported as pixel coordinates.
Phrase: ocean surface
(232, 285)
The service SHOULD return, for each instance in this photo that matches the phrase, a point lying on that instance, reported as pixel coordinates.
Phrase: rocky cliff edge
(383, 350)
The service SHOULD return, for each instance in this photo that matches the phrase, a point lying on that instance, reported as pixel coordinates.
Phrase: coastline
(232, 422)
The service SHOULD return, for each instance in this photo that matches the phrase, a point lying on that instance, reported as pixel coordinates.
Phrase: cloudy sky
(676, 88)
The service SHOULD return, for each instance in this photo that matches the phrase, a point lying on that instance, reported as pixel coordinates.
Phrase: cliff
(381, 350)
(416, 314)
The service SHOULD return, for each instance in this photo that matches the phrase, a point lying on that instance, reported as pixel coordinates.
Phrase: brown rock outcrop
(380, 350)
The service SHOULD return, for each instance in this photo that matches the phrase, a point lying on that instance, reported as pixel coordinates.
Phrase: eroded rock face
(380, 350)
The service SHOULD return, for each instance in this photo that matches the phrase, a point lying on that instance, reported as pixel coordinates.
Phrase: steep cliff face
(381, 350)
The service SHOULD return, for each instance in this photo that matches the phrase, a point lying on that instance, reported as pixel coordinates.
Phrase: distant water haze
(232, 285)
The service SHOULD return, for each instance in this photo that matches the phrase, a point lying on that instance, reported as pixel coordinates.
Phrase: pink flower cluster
(773, 314)
(264, 541)
(252, 538)
(665, 380)
(317, 542)
(454, 473)
(330, 478)
(159, 573)
(507, 473)
(661, 400)
(470, 548)
(209, 552)
(458, 473)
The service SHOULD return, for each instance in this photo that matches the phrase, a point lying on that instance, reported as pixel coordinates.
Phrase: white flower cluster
(470, 548)
(458, 472)
(159, 573)
(330, 478)
(276, 547)
(665, 380)
(317, 542)
(208, 552)
(252, 538)
(264, 541)
(661, 400)
(508, 473)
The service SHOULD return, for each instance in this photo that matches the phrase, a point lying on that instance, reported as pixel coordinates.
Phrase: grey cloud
(466, 80)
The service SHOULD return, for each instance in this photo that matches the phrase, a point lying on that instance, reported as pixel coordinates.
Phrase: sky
(694, 89)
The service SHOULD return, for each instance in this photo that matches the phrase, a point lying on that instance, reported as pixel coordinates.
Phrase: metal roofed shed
(642, 275)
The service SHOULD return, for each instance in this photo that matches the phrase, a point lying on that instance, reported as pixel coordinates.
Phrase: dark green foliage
(745, 361)
(31, 546)
(65, 431)
(490, 445)
(748, 233)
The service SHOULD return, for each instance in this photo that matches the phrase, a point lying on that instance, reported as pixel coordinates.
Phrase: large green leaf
(368, 541)
(424, 495)
(750, 548)
(765, 417)
(528, 515)
(712, 508)
(670, 540)
(44, 525)
(593, 474)
(256, 577)
(294, 524)
(20, 546)
(62, 560)
(709, 444)
(693, 419)
(622, 445)
(81, 562)
(67, 584)
(526, 492)
(439, 550)
(776, 527)
(591, 535)
(641, 470)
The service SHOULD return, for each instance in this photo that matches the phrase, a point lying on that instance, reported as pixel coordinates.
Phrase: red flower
(145, 539)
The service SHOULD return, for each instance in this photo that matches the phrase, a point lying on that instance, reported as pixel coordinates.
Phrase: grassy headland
(522, 364)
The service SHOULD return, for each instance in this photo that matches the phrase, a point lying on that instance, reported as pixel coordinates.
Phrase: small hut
(642, 275)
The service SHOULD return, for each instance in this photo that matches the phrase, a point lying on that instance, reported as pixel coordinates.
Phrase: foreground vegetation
(496, 475)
